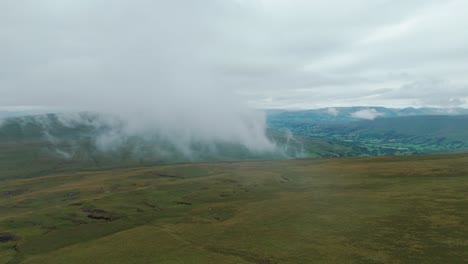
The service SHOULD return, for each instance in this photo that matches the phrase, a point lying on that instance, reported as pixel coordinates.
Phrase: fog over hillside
(195, 70)
(139, 69)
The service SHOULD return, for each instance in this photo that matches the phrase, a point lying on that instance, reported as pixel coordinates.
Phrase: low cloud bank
(369, 114)
(154, 71)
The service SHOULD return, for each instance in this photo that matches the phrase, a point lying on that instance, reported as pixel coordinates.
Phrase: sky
(224, 56)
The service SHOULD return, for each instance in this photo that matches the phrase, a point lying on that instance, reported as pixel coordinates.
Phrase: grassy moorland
(410, 209)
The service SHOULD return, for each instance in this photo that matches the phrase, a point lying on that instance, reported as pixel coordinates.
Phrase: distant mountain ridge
(379, 130)
(356, 113)
(94, 141)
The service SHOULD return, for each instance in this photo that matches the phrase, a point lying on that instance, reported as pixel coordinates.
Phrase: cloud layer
(201, 61)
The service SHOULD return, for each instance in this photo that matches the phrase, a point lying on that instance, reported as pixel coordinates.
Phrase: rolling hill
(355, 113)
(413, 134)
(41, 144)
(53, 143)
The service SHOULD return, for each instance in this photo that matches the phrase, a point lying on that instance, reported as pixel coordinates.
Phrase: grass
(410, 209)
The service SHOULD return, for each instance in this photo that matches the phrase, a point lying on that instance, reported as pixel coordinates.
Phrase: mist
(152, 65)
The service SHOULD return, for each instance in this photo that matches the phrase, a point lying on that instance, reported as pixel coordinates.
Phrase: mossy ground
(410, 209)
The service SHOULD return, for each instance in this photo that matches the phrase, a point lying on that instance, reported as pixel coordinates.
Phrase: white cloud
(391, 32)
(332, 111)
(369, 114)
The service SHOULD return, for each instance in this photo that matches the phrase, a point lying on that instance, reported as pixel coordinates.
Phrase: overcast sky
(266, 53)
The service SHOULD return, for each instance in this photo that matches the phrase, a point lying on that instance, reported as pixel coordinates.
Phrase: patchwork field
(410, 209)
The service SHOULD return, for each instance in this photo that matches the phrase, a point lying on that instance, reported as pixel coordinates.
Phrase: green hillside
(389, 136)
(453, 127)
(37, 145)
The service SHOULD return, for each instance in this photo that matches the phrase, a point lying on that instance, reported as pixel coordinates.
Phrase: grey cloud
(431, 92)
(184, 60)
